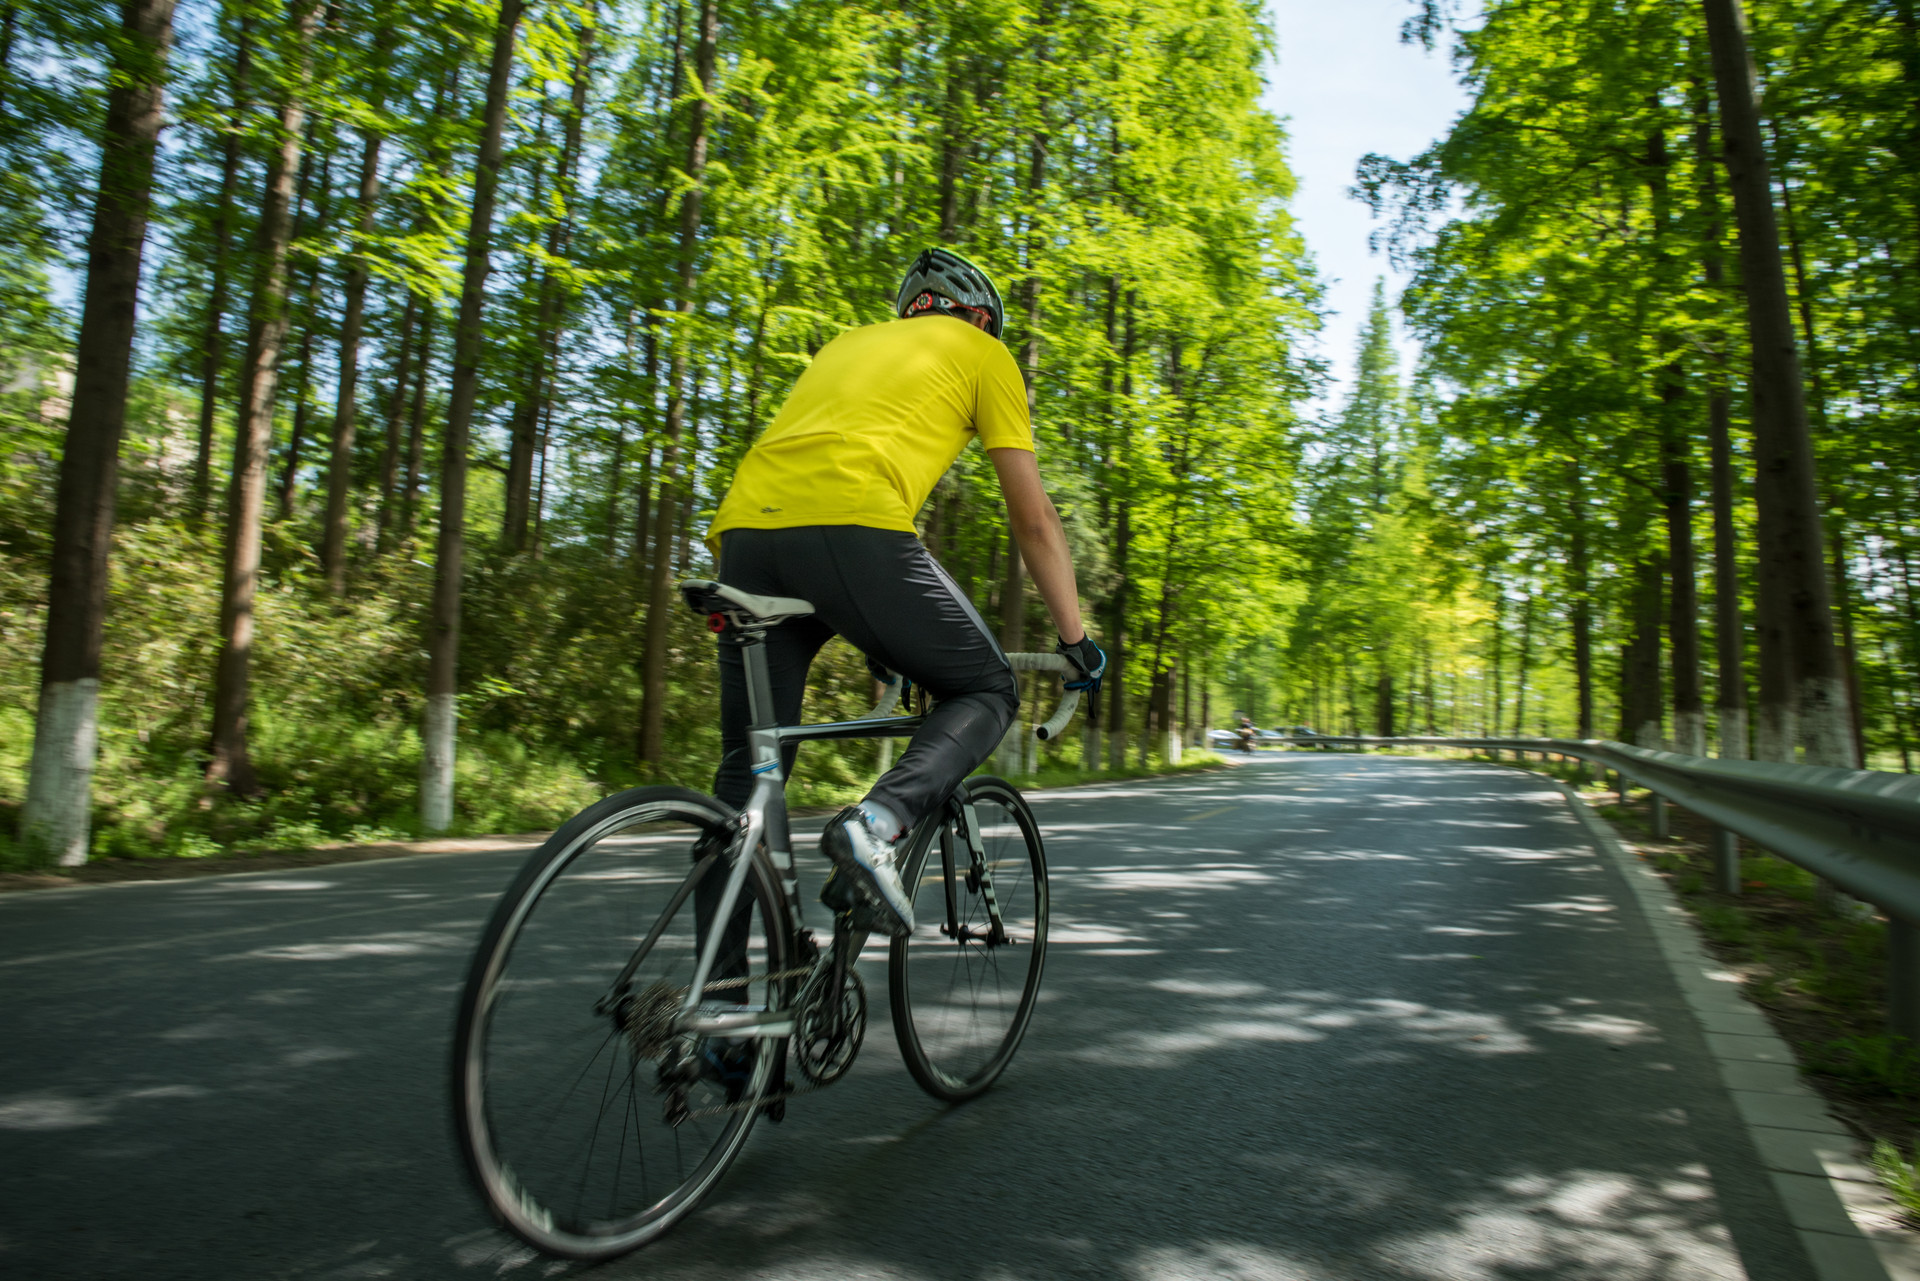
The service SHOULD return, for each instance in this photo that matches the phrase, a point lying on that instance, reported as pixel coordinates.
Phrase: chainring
(822, 1051)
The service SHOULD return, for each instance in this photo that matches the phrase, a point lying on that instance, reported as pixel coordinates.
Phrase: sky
(1344, 86)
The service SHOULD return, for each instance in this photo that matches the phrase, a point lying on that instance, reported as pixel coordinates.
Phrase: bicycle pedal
(776, 1111)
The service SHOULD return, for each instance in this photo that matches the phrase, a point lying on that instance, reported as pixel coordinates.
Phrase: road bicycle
(647, 987)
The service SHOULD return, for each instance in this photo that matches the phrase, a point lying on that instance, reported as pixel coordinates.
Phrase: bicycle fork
(978, 880)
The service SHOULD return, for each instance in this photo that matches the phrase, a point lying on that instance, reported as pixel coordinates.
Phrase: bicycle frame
(764, 818)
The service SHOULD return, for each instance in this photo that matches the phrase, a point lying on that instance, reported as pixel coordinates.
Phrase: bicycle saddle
(706, 597)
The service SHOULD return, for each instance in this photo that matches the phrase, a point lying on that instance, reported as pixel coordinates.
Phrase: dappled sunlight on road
(1583, 1223)
(400, 943)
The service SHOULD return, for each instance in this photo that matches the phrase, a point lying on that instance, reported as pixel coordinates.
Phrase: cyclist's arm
(1042, 541)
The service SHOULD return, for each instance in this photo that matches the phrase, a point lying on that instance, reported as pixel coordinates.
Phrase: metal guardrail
(1859, 829)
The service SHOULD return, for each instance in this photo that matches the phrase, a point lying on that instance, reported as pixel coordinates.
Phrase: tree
(1800, 673)
(230, 765)
(443, 633)
(333, 546)
(58, 811)
(659, 597)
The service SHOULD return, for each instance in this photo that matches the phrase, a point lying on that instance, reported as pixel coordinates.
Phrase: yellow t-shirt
(873, 424)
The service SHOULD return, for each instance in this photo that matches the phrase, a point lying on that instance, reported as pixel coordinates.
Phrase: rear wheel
(963, 984)
(589, 1127)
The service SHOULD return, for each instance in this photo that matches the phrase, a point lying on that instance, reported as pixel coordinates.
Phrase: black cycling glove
(1089, 659)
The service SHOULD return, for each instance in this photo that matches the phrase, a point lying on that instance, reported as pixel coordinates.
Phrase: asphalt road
(1317, 1017)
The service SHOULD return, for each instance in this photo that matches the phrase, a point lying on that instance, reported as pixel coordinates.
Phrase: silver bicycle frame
(765, 818)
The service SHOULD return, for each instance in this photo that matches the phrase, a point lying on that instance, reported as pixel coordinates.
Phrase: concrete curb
(1846, 1221)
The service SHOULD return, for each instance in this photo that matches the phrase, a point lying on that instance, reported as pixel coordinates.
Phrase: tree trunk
(1800, 664)
(396, 407)
(527, 438)
(953, 152)
(653, 659)
(1640, 701)
(1817, 406)
(1121, 599)
(55, 824)
(333, 544)
(416, 427)
(1491, 724)
(443, 635)
(1525, 663)
(1730, 646)
(310, 316)
(1730, 643)
(213, 341)
(230, 766)
(1683, 608)
(447, 86)
(1579, 570)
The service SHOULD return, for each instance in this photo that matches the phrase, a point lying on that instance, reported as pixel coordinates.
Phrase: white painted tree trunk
(1690, 733)
(1173, 747)
(886, 755)
(1826, 723)
(1733, 733)
(436, 763)
(1773, 734)
(1006, 757)
(59, 811)
(1117, 748)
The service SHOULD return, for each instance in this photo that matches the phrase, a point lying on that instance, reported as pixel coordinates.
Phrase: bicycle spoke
(605, 911)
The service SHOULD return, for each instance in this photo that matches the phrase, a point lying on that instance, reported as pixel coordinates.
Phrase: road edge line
(1798, 1141)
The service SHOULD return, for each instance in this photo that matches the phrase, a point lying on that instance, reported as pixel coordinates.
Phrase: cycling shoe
(837, 893)
(867, 861)
(727, 1063)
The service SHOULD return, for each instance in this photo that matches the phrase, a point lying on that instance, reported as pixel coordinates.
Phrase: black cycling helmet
(941, 280)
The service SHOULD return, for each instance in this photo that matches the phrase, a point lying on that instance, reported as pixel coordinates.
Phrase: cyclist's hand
(880, 672)
(1088, 659)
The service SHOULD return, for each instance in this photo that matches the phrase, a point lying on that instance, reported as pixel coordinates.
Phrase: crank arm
(739, 1020)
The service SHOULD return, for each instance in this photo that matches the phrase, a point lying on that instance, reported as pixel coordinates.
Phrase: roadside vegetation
(454, 320)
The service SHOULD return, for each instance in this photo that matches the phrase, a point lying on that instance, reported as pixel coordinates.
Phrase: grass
(1900, 1176)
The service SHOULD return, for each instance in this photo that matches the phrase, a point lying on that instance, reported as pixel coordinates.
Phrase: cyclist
(822, 508)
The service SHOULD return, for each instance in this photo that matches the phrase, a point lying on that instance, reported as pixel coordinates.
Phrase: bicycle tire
(609, 890)
(954, 1012)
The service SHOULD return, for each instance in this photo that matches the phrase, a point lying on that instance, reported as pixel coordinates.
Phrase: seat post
(753, 653)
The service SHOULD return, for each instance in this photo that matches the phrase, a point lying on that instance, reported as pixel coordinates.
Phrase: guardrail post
(1903, 978)
(1657, 811)
(1726, 861)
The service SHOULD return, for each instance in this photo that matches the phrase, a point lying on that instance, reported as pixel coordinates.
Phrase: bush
(1886, 1063)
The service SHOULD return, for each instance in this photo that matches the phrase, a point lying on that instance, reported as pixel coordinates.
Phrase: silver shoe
(868, 863)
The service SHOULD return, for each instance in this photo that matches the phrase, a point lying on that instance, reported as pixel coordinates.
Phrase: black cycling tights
(881, 590)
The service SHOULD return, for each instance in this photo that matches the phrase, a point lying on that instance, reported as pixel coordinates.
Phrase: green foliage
(1156, 292)
(1888, 1064)
(1900, 1176)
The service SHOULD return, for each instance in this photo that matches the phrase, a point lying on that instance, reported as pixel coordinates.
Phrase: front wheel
(589, 1126)
(963, 984)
